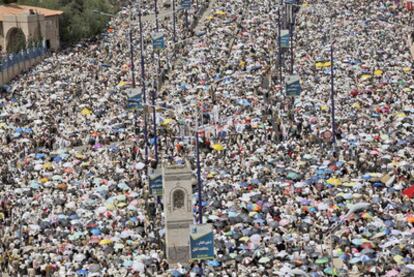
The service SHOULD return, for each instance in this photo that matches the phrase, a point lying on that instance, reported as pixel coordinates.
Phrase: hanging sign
(134, 99)
(158, 41)
(155, 181)
(284, 39)
(201, 242)
(185, 4)
(293, 87)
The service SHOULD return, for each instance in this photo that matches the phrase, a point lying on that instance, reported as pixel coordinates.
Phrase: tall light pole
(156, 14)
(280, 44)
(332, 96)
(291, 40)
(143, 82)
(174, 23)
(131, 52)
(199, 184)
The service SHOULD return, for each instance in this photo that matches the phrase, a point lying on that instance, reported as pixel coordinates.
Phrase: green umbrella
(233, 255)
(264, 260)
(329, 271)
(322, 260)
(293, 175)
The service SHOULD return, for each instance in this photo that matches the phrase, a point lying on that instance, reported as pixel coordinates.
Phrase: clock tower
(177, 180)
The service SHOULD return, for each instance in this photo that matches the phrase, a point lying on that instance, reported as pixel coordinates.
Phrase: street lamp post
(279, 44)
(131, 51)
(154, 116)
(156, 14)
(291, 42)
(143, 82)
(199, 184)
(332, 96)
(174, 23)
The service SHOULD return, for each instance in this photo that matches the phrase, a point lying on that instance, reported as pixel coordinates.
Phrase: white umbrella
(298, 271)
(79, 257)
(139, 166)
(138, 266)
(126, 234)
(357, 207)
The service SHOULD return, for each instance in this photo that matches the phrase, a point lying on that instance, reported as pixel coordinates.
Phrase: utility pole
(280, 45)
(199, 184)
(174, 23)
(333, 101)
(131, 51)
(143, 83)
(291, 41)
(156, 14)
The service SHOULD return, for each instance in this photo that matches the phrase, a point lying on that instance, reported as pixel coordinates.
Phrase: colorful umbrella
(86, 112)
(322, 260)
(217, 147)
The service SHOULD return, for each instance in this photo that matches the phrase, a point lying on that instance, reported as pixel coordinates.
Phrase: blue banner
(134, 101)
(158, 41)
(201, 242)
(155, 181)
(284, 39)
(293, 87)
(185, 4)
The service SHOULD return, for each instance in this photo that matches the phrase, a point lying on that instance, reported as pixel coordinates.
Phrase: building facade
(24, 26)
(177, 180)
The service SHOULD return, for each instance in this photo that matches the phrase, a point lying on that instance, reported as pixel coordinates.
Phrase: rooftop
(13, 9)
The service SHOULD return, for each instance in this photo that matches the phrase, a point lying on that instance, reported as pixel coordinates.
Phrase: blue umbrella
(259, 221)
(123, 186)
(176, 273)
(57, 159)
(82, 272)
(232, 214)
(213, 263)
(378, 184)
(339, 163)
(255, 181)
(312, 180)
(34, 185)
(183, 86)
(366, 177)
(355, 260)
(40, 156)
(96, 232)
(244, 102)
(127, 263)
(365, 259)
(152, 141)
(73, 217)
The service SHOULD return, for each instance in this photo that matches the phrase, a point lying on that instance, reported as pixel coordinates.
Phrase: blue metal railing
(24, 55)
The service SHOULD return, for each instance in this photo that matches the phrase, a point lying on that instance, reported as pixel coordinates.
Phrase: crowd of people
(284, 199)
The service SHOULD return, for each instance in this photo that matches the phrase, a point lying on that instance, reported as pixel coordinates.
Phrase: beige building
(20, 26)
(177, 182)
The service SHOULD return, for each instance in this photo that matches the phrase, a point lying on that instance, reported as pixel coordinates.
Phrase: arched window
(178, 199)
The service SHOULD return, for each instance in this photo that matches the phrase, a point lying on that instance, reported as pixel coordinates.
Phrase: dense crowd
(283, 200)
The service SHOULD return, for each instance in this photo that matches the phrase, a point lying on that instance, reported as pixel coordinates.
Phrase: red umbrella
(366, 245)
(409, 191)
